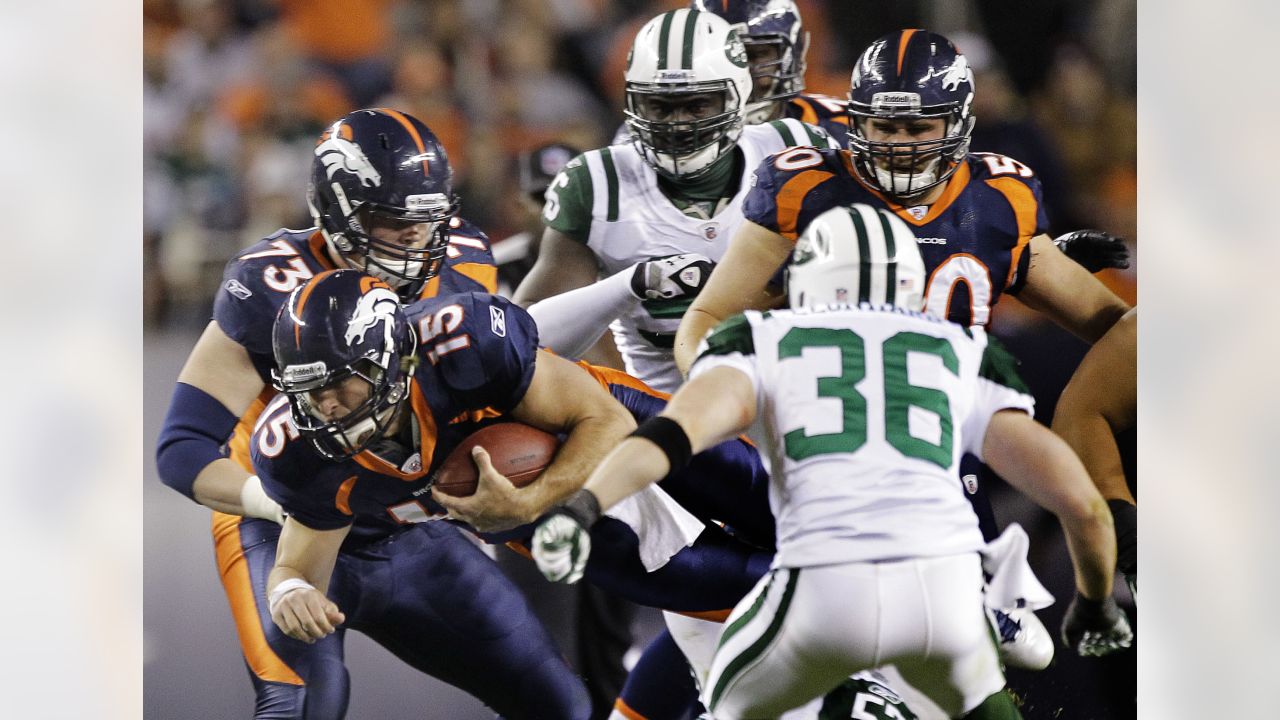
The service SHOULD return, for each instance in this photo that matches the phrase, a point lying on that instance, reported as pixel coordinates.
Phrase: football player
(863, 487)
(977, 218)
(776, 42)
(381, 197)
(675, 192)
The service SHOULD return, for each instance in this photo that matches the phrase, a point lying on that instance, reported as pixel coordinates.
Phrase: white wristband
(284, 588)
(256, 503)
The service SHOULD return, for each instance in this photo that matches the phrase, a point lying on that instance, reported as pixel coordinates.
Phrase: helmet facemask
(349, 230)
(709, 125)
(347, 436)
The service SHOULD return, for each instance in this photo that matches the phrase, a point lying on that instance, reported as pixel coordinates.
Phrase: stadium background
(235, 91)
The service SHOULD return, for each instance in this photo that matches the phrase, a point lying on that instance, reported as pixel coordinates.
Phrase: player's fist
(1094, 249)
(305, 614)
(673, 277)
(561, 547)
(1095, 627)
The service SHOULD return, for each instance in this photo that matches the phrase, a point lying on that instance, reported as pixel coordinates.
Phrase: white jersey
(631, 220)
(865, 413)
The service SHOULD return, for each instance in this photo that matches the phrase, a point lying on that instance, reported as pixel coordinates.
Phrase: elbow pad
(192, 436)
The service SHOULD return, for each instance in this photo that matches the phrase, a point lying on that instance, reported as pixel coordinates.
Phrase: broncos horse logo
(378, 305)
(338, 153)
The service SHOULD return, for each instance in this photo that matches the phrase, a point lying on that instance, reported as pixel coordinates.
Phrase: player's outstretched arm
(1100, 401)
(562, 398)
(1060, 288)
(1040, 464)
(708, 409)
(739, 282)
(214, 389)
(297, 584)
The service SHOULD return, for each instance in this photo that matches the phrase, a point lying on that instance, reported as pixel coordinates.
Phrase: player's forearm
(697, 322)
(570, 323)
(631, 467)
(219, 485)
(587, 445)
(1091, 540)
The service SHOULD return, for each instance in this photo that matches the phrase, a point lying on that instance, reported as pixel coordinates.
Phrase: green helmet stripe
(690, 24)
(864, 256)
(891, 259)
(663, 36)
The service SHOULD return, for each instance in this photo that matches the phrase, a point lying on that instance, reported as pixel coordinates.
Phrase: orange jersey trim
(792, 195)
(955, 185)
(807, 113)
(320, 251)
(621, 707)
(343, 499)
(427, 441)
(239, 443)
(518, 548)
(233, 569)
(717, 616)
(483, 273)
(1023, 202)
(608, 376)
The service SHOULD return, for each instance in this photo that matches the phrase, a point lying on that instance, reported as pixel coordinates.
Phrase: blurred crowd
(235, 91)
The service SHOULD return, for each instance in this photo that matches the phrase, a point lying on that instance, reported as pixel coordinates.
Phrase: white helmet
(854, 254)
(681, 53)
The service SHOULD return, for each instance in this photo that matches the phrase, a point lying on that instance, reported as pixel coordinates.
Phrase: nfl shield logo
(710, 231)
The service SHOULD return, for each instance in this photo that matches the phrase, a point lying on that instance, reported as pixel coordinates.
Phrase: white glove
(671, 278)
(561, 546)
(254, 501)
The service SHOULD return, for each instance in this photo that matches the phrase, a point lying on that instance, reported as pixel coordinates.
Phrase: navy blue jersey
(257, 281)
(828, 113)
(476, 355)
(972, 238)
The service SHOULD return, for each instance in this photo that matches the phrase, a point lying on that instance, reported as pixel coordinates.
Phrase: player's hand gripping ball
(518, 451)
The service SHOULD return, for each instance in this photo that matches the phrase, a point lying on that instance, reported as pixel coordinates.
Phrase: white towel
(662, 525)
(1012, 583)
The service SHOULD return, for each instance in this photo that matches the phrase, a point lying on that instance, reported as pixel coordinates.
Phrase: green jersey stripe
(1001, 367)
(784, 131)
(690, 24)
(891, 266)
(664, 34)
(864, 257)
(757, 648)
(611, 181)
(815, 139)
(731, 336)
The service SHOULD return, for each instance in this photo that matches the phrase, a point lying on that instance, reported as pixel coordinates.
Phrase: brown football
(517, 450)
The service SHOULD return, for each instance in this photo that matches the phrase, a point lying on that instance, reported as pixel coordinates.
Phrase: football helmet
(381, 167)
(343, 323)
(909, 75)
(856, 254)
(772, 29)
(682, 59)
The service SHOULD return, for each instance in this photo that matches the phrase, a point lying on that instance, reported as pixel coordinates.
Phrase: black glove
(674, 277)
(1094, 249)
(1095, 627)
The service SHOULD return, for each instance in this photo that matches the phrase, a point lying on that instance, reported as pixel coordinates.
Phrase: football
(516, 450)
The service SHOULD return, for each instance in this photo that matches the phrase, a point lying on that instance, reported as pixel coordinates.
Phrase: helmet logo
(376, 306)
(896, 101)
(735, 50)
(296, 374)
(340, 154)
(957, 73)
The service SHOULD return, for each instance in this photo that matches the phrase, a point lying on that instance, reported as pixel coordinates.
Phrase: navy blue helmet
(383, 168)
(776, 43)
(343, 324)
(903, 76)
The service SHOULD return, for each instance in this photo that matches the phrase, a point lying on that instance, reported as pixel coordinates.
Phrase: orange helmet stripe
(902, 47)
(413, 132)
(302, 300)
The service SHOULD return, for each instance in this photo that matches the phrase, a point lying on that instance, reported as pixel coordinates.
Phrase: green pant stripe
(757, 648)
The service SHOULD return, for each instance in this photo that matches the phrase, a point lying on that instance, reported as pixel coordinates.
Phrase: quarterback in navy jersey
(381, 196)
